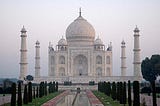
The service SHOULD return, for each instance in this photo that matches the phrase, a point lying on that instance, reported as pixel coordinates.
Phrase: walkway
(94, 101)
(55, 100)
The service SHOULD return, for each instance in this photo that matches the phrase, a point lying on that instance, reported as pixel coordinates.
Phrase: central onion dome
(80, 31)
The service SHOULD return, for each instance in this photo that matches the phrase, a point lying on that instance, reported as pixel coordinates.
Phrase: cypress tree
(118, 91)
(40, 89)
(98, 86)
(37, 92)
(45, 88)
(13, 95)
(56, 87)
(109, 88)
(53, 87)
(114, 91)
(25, 95)
(154, 93)
(136, 101)
(124, 93)
(19, 101)
(30, 92)
(49, 87)
(34, 93)
(129, 94)
(121, 92)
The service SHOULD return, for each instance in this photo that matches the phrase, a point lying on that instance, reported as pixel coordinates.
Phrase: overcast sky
(47, 20)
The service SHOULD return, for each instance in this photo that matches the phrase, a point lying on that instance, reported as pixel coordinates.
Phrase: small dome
(62, 41)
(98, 41)
(80, 29)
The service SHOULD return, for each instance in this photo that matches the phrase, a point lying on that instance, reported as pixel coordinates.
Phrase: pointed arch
(99, 59)
(61, 71)
(108, 60)
(99, 71)
(61, 60)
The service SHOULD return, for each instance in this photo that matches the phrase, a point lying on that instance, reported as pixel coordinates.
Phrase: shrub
(91, 83)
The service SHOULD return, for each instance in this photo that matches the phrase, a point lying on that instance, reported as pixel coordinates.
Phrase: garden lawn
(40, 101)
(106, 100)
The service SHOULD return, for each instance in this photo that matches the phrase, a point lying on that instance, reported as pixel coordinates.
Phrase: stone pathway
(94, 101)
(55, 100)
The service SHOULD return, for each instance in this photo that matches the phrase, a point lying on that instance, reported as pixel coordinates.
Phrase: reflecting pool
(80, 100)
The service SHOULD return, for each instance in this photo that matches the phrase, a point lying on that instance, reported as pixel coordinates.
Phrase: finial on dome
(37, 42)
(123, 42)
(23, 30)
(136, 29)
(80, 11)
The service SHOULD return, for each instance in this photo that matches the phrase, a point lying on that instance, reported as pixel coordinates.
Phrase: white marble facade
(80, 57)
(80, 54)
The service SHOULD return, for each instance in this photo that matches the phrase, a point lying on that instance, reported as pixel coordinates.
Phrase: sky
(47, 20)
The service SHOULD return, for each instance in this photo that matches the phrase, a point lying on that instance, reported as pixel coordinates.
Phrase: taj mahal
(80, 57)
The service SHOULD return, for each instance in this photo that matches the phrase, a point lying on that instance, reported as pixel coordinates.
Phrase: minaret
(23, 58)
(123, 59)
(136, 50)
(37, 60)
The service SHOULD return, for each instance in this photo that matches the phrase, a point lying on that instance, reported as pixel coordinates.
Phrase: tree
(37, 92)
(45, 88)
(13, 95)
(19, 101)
(49, 88)
(121, 92)
(56, 87)
(53, 87)
(34, 92)
(124, 93)
(114, 91)
(150, 71)
(25, 96)
(41, 89)
(136, 100)
(118, 91)
(129, 93)
(29, 77)
(30, 92)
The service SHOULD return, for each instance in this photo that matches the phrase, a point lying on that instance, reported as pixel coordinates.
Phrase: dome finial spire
(80, 11)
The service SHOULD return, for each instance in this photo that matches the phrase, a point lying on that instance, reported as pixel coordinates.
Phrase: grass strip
(106, 100)
(40, 101)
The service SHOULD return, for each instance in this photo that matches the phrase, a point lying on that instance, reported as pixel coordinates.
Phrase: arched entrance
(80, 65)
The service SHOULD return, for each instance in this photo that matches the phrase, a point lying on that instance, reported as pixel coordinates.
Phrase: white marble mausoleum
(79, 56)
